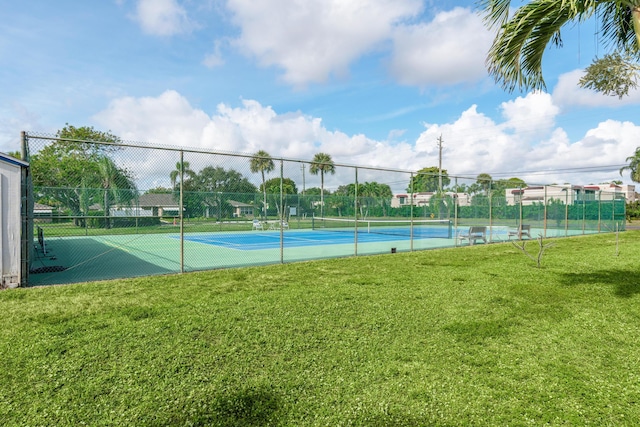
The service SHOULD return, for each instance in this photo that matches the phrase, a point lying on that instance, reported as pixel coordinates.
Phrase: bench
(278, 225)
(475, 233)
(523, 230)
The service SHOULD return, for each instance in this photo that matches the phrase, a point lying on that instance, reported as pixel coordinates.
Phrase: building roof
(236, 204)
(12, 160)
(39, 207)
(157, 200)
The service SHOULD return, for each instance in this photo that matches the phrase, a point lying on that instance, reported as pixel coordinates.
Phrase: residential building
(570, 194)
(423, 198)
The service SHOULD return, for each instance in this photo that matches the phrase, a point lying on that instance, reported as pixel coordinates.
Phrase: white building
(534, 194)
(422, 199)
(13, 258)
(570, 194)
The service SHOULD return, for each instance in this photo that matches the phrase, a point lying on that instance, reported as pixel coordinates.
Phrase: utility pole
(303, 167)
(440, 163)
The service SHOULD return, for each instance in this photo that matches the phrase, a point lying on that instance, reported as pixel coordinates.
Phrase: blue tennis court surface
(300, 238)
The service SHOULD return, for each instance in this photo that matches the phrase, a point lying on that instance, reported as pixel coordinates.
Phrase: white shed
(13, 173)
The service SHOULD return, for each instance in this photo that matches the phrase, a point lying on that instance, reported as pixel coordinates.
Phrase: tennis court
(88, 258)
(369, 232)
(92, 233)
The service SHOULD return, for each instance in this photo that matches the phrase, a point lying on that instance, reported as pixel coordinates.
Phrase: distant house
(165, 205)
(241, 209)
(423, 198)
(42, 213)
(40, 209)
(158, 204)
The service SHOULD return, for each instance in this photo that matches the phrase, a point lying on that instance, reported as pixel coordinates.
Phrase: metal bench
(475, 233)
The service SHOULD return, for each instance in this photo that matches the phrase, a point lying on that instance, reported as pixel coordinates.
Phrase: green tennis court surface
(91, 258)
(79, 259)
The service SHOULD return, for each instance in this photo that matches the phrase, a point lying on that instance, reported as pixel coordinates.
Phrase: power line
(602, 168)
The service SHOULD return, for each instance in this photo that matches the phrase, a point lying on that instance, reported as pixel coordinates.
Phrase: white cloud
(162, 17)
(314, 39)
(473, 143)
(528, 146)
(13, 120)
(568, 93)
(450, 49)
(609, 144)
(214, 59)
(167, 119)
(532, 115)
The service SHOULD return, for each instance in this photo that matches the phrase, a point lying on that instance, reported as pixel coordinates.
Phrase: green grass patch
(466, 336)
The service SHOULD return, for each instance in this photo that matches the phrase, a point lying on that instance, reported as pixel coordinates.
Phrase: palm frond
(496, 11)
(618, 27)
(515, 58)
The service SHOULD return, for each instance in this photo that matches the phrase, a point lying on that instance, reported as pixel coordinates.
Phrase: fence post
(281, 219)
(521, 202)
(27, 202)
(490, 213)
(566, 211)
(411, 211)
(544, 221)
(355, 229)
(181, 213)
(584, 210)
(599, 209)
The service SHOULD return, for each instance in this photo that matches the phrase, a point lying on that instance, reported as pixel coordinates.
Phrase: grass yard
(454, 337)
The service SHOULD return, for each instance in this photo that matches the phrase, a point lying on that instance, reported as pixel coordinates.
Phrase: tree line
(74, 175)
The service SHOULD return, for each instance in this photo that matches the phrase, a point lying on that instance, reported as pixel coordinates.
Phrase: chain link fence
(104, 210)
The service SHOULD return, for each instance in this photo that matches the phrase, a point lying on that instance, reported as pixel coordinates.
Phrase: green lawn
(467, 336)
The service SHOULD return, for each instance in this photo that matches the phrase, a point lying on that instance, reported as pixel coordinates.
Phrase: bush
(633, 211)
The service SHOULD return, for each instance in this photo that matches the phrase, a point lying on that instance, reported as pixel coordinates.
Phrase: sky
(370, 82)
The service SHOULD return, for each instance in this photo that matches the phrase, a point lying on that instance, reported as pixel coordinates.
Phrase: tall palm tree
(181, 179)
(484, 181)
(634, 166)
(181, 170)
(515, 58)
(117, 185)
(262, 162)
(322, 163)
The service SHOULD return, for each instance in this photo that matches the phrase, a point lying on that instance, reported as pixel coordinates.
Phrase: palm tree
(634, 166)
(515, 58)
(117, 185)
(182, 169)
(484, 181)
(262, 162)
(322, 163)
(375, 194)
(181, 178)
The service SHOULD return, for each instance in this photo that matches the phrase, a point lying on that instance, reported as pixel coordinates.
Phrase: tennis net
(41, 239)
(418, 228)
